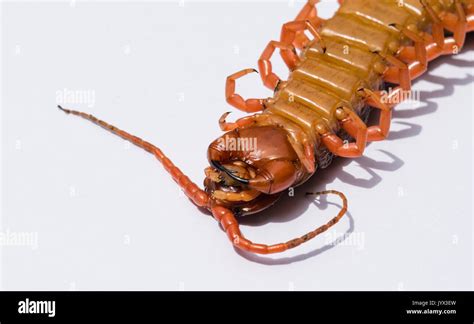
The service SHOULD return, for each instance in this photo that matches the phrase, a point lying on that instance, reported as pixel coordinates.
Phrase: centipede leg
(436, 43)
(457, 24)
(404, 76)
(234, 99)
(240, 123)
(230, 225)
(310, 13)
(354, 126)
(437, 26)
(378, 132)
(288, 35)
(433, 51)
(198, 196)
(269, 78)
(470, 18)
(419, 46)
(399, 72)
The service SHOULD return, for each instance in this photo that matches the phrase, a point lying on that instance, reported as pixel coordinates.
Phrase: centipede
(340, 69)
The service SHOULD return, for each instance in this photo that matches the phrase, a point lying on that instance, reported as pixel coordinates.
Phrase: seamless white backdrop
(106, 215)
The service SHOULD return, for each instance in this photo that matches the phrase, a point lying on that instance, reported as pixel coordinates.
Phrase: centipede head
(251, 167)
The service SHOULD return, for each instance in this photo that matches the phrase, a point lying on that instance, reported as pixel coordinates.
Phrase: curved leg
(433, 51)
(270, 79)
(354, 126)
(378, 132)
(234, 99)
(242, 122)
(403, 76)
(437, 44)
(437, 27)
(230, 225)
(419, 43)
(457, 23)
(470, 21)
(290, 32)
(399, 72)
(310, 13)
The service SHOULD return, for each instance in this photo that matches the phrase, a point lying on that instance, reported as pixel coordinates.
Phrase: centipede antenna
(325, 227)
(198, 196)
(231, 226)
(67, 111)
(332, 192)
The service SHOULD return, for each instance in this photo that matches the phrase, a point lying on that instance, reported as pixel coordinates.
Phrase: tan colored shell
(325, 80)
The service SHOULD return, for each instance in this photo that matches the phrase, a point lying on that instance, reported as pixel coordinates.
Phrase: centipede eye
(220, 167)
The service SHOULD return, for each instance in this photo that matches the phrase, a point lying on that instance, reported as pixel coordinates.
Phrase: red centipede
(339, 69)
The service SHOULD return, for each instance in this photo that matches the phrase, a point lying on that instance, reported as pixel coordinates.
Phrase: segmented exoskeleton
(336, 78)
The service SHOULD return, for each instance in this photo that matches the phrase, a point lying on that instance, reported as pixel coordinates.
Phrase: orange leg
(192, 191)
(416, 67)
(230, 225)
(433, 51)
(378, 132)
(288, 35)
(457, 23)
(436, 44)
(470, 20)
(309, 12)
(234, 99)
(399, 72)
(354, 126)
(242, 122)
(403, 76)
(419, 44)
(437, 27)
(270, 79)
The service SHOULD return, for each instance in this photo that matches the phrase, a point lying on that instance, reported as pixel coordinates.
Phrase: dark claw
(65, 110)
(220, 167)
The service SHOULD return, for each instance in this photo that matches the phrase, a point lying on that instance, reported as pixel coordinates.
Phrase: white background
(106, 215)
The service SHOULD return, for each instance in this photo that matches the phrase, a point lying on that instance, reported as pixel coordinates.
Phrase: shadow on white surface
(286, 210)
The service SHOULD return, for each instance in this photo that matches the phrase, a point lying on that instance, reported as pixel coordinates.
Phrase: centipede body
(335, 79)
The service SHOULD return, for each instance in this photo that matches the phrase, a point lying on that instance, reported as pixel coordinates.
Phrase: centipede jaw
(230, 173)
(228, 185)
